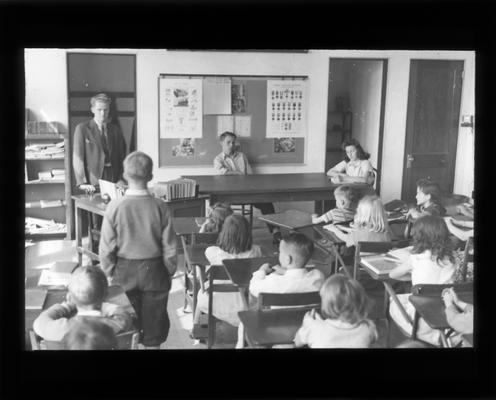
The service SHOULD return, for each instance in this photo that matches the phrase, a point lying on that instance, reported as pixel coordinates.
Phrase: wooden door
(432, 124)
(92, 73)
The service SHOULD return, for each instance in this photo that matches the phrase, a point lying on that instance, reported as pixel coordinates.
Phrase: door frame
(409, 125)
(382, 110)
(70, 217)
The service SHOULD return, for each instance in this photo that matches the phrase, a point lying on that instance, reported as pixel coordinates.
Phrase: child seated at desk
(88, 333)
(460, 315)
(342, 322)
(290, 276)
(235, 241)
(346, 199)
(370, 223)
(432, 261)
(87, 290)
(216, 217)
(428, 200)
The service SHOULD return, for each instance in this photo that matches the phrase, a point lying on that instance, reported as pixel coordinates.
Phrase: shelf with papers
(44, 182)
(45, 136)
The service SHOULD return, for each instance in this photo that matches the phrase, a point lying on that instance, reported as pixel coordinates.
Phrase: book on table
(35, 298)
(53, 278)
(381, 264)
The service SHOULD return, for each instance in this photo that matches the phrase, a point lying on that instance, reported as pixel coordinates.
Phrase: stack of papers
(52, 278)
(45, 150)
(175, 189)
(43, 226)
(382, 264)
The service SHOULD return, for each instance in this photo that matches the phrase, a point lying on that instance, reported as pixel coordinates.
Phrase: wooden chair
(267, 300)
(426, 290)
(125, 341)
(190, 273)
(245, 210)
(216, 272)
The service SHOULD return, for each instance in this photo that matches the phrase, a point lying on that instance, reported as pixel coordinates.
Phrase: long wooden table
(248, 189)
(93, 204)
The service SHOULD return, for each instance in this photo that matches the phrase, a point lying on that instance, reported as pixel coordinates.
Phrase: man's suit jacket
(88, 157)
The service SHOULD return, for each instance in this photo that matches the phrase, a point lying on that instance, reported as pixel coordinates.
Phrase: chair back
(52, 345)
(205, 238)
(266, 300)
(216, 272)
(436, 290)
(468, 257)
(128, 340)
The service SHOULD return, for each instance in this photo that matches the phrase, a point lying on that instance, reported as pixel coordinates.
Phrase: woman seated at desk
(355, 168)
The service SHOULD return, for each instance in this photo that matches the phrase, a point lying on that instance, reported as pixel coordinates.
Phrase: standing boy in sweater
(138, 249)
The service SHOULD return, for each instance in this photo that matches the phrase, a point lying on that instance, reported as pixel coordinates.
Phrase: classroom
(230, 199)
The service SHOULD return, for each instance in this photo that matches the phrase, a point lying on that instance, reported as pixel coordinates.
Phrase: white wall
(366, 87)
(46, 89)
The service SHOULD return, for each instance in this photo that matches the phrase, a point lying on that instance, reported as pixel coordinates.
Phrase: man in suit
(99, 147)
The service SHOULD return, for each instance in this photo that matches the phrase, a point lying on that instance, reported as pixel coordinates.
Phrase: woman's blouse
(357, 168)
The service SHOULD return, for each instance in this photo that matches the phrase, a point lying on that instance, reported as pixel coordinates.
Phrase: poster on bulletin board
(180, 108)
(286, 109)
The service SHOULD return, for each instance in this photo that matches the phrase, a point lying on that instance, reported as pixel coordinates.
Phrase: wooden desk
(248, 189)
(85, 204)
(432, 310)
(270, 327)
(289, 219)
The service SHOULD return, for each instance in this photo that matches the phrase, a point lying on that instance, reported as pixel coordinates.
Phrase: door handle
(409, 160)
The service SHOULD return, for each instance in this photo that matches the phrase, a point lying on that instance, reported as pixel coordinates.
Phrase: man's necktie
(105, 144)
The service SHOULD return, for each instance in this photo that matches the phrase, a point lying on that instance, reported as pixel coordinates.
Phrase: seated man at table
(87, 290)
(233, 162)
(290, 276)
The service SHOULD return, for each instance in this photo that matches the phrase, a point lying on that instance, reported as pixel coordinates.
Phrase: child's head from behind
(431, 233)
(345, 197)
(90, 333)
(343, 298)
(295, 250)
(427, 192)
(371, 214)
(138, 167)
(218, 214)
(235, 236)
(87, 287)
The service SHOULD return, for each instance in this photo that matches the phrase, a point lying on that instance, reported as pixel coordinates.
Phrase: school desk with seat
(429, 305)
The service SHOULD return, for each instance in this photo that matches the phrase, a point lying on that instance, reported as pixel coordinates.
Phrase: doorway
(355, 108)
(92, 73)
(433, 112)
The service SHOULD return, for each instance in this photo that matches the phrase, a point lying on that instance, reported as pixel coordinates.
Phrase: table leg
(444, 341)
(415, 325)
(79, 234)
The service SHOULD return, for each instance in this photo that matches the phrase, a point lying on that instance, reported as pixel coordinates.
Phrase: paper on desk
(402, 254)
(50, 278)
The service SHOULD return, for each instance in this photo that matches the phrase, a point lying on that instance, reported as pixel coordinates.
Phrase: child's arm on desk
(52, 323)
(402, 272)
(258, 282)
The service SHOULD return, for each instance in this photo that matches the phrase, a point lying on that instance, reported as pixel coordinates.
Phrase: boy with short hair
(89, 333)
(138, 248)
(428, 200)
(86, 291)
(346, 203)
(290, 276)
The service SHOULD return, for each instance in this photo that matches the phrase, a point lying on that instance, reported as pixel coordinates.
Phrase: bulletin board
(201, 151)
